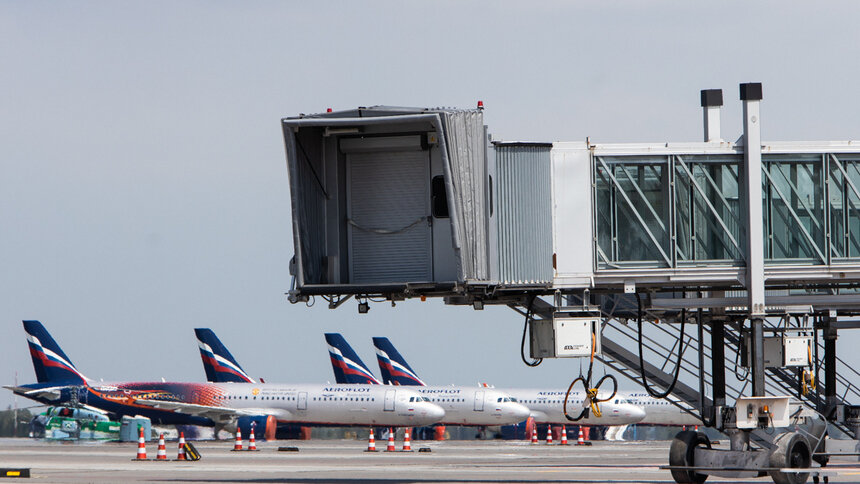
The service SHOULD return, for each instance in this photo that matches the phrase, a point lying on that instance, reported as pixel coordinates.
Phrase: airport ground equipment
(74, 423)
(708, 265)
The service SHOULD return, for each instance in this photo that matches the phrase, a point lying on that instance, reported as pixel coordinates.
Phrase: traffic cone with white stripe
(563, 435)
(371, 442)
(407, 443)
(162, 450)
(534, 435)
(181, 454)
(390, 447)
(580, 440)
(238, 444)
(141, 447)
(252, 443)
(549, 435)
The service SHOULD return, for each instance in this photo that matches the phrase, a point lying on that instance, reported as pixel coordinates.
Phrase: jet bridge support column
(831, 401)
(718, 369)
(751, 96)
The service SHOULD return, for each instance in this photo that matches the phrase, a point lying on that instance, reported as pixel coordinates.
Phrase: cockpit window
(425, 399)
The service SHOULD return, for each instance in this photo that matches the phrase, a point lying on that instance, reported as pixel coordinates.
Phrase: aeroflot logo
(550, 393)
(255, 392)
(332, 389)
(439, 391)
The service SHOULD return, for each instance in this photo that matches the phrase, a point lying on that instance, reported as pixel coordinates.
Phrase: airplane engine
(264, 426)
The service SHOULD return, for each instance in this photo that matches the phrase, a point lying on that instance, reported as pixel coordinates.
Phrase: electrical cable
(642, 360)
(591, 402)
(538, 361)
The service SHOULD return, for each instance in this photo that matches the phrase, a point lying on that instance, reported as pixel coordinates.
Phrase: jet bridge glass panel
(795, 226)
(843, 193)
(667, 211)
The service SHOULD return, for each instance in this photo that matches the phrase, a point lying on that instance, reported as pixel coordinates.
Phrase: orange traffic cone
(371, 442)
(141, 447)
(162, 450)
(534, 435)
(697, 428)
(238, 444)
(580, 440)
(390, 447)
(252, 443)
(181, 454)
(549, 435)
(407, 444)
(563, 435)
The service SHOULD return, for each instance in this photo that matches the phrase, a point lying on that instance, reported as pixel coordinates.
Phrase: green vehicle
(65, 423)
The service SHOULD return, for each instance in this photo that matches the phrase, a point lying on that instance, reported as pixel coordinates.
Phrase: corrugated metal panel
(388, 210)
(524, 213)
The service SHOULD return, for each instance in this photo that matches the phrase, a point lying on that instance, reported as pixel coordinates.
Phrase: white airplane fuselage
(297, 403)
(547, 406)
(661, 411)
(474, 405)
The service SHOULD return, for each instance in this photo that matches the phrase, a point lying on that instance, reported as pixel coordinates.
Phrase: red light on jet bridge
(480, 104)
(328, 110)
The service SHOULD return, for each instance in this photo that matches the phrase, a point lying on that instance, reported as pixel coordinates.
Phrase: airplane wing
(216, 414)
(50, 393)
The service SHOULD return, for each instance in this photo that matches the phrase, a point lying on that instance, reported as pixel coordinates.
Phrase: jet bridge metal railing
(618, 336)
(626, 362)
(787, 382)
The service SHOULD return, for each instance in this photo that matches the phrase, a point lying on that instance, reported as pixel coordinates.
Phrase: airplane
(546, 406)
(225, 405)
(476, 406)
(393, 365)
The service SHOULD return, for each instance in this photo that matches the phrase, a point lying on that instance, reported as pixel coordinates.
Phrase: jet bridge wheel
(791, 451)
(681, 454)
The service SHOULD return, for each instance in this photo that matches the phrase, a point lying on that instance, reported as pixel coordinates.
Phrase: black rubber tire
(791, 451)
(681, 454)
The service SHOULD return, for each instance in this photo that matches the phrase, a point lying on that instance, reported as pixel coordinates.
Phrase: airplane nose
(520, 411)
(637, 412)
(435, 412)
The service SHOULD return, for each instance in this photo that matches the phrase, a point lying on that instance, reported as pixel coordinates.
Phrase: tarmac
(344, 461)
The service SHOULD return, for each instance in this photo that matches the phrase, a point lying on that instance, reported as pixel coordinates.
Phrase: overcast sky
(143, 189)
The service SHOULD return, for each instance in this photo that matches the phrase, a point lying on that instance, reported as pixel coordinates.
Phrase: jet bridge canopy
(386, 198)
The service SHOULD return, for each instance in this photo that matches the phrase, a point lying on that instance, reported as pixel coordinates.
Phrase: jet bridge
(754, 244)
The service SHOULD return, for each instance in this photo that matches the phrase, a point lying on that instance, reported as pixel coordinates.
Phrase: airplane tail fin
(219, 364)
(49, 361)
(393, 366)
(347, 366)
